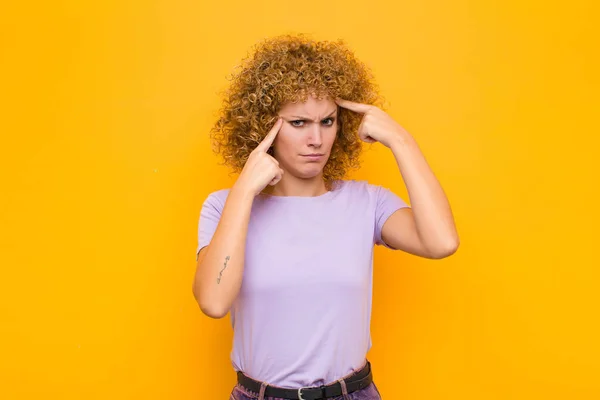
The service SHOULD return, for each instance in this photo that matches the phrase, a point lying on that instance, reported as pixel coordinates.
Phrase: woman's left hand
(376, 125)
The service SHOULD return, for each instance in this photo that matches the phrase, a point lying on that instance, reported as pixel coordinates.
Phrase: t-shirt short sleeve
(387, 202)
(210, 214)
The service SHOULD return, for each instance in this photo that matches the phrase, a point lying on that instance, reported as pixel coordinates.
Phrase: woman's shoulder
(357, 186)
(217, 198)
(220, 193)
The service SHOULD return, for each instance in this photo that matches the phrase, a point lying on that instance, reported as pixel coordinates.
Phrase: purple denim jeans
(371, 392)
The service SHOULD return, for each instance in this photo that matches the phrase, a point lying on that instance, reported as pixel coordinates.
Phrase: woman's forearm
(433, 216)
(219, 272)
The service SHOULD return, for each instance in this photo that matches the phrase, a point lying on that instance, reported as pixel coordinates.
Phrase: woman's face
(304, 141)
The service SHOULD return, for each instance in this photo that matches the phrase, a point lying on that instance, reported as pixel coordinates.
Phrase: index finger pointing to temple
(270, 138)
(350, 105)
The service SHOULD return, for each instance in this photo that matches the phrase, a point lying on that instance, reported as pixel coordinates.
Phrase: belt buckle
(322, 387)
(300, 394)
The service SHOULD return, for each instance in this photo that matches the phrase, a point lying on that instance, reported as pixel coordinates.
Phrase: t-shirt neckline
(325, 195)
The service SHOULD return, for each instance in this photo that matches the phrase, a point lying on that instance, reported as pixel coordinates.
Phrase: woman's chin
(309, 171)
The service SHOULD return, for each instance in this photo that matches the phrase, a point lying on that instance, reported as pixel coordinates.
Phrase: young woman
(288, 249)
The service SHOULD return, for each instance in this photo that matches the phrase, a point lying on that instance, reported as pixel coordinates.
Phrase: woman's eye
(299, 122)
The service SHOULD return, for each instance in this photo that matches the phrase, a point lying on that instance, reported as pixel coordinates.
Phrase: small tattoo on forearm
(224, 266)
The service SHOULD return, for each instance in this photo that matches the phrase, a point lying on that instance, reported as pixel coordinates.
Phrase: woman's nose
(315, 138)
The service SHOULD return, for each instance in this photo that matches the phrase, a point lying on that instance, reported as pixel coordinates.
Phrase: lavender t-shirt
(302, 316)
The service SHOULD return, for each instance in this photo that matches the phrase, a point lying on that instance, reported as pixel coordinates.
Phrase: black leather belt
(358, 380)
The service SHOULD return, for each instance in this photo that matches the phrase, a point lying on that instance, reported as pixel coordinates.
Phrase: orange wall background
(106, 161)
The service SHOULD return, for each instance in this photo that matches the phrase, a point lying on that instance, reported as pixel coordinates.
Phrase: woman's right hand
(261, 169)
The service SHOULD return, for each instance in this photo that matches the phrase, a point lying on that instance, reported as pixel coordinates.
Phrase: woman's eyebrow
(330, 114)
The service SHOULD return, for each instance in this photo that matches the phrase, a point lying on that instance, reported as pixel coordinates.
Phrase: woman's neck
(292, 186)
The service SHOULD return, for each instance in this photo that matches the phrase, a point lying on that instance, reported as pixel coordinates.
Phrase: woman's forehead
(312, 107)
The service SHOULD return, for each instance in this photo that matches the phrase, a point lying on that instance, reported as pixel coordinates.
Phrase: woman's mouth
(313, 156)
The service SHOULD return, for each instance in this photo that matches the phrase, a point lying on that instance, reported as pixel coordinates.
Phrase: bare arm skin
(220, 265)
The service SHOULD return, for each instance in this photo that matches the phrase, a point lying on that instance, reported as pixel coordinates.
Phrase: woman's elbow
(445, 250)
(214, 312)
(208, 308)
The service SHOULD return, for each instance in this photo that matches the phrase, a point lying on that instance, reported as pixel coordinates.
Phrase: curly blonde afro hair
(289, 68)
